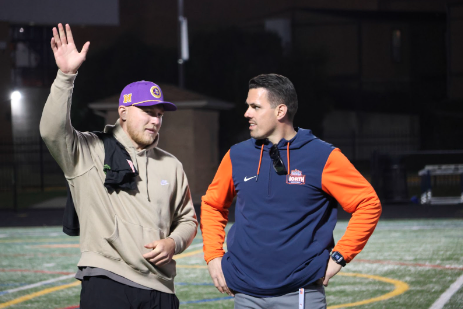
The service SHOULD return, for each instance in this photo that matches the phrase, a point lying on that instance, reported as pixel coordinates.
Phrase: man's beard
(139, 137)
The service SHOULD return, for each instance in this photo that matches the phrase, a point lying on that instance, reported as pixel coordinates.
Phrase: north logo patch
(295, 178)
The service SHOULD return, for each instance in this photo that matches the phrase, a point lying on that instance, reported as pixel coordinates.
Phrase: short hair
(280, 91)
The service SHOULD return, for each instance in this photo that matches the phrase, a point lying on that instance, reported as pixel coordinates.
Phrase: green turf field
(406, 264)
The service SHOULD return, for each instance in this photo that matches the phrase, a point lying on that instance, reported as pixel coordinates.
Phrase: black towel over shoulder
(120, 175)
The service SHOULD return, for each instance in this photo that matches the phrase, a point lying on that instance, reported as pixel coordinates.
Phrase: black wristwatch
(338, 258)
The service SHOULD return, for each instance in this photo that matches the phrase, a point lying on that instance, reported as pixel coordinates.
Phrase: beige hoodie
(115, 227)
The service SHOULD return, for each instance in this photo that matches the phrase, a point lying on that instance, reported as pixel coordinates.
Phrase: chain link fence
(30, 175)
(27, 169)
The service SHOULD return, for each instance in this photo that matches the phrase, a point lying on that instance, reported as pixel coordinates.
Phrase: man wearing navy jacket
(287, 184)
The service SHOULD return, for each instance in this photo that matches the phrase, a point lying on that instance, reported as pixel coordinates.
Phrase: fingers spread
(62, 35)
(69, 34)
(56, 37)
(53, 45)
(85, 49)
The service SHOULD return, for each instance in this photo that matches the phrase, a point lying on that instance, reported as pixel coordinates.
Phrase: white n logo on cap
(127, 98)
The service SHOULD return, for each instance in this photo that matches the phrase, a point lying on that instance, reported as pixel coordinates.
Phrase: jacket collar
(302, 137)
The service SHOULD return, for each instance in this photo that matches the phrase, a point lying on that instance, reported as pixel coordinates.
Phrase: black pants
(103, 293)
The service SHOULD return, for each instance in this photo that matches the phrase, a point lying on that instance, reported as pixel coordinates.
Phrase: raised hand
(67, 58)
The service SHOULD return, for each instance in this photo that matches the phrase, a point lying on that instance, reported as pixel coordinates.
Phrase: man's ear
(122, 112)
(281, 111)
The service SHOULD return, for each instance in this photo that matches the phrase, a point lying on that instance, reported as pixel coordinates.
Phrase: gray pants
(314, 298)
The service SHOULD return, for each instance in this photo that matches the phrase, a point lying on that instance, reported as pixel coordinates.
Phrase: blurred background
(380, 79)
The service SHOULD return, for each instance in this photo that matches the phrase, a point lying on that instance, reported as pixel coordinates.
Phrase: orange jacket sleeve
(214, 210)
(354, 193)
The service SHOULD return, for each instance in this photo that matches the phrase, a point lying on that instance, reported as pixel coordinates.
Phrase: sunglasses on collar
(278, 164)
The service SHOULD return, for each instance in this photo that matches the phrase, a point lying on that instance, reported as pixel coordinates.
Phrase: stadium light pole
(183, 52)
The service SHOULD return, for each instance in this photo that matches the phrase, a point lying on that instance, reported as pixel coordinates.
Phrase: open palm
(67, 57)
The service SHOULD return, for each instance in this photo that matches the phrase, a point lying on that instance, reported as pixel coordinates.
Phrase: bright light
(16, 95)
(21, 30)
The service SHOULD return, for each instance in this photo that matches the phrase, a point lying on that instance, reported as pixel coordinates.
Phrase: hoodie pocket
(128, 240)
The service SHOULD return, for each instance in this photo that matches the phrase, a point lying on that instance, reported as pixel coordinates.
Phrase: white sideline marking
(30, 286)
(195, 246)
(445, 297)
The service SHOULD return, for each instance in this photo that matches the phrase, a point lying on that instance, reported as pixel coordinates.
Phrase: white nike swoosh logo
(246, 179)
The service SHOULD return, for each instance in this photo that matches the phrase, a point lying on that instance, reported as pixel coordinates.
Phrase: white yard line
(30, 286)
(195, 246)
(445, 297)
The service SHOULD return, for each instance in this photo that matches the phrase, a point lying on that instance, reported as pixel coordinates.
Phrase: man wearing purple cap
(132, 198)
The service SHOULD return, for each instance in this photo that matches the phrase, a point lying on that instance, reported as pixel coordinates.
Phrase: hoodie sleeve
(184, 225)
(69, 147)
(354, 193)
(214, 210)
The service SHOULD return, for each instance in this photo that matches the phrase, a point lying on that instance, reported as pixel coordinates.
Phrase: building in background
(388, 67)
(191, 133)
(380, 56)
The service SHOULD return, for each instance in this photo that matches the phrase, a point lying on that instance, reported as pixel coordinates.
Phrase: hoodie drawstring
(260, 159)
(147, 191)
(287, 155)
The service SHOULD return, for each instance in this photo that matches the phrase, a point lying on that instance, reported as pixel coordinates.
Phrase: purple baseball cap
(144, 93)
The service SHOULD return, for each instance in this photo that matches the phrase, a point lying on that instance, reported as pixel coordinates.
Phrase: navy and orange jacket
(283, 230)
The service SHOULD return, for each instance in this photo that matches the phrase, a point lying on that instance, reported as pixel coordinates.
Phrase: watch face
(338, 258)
